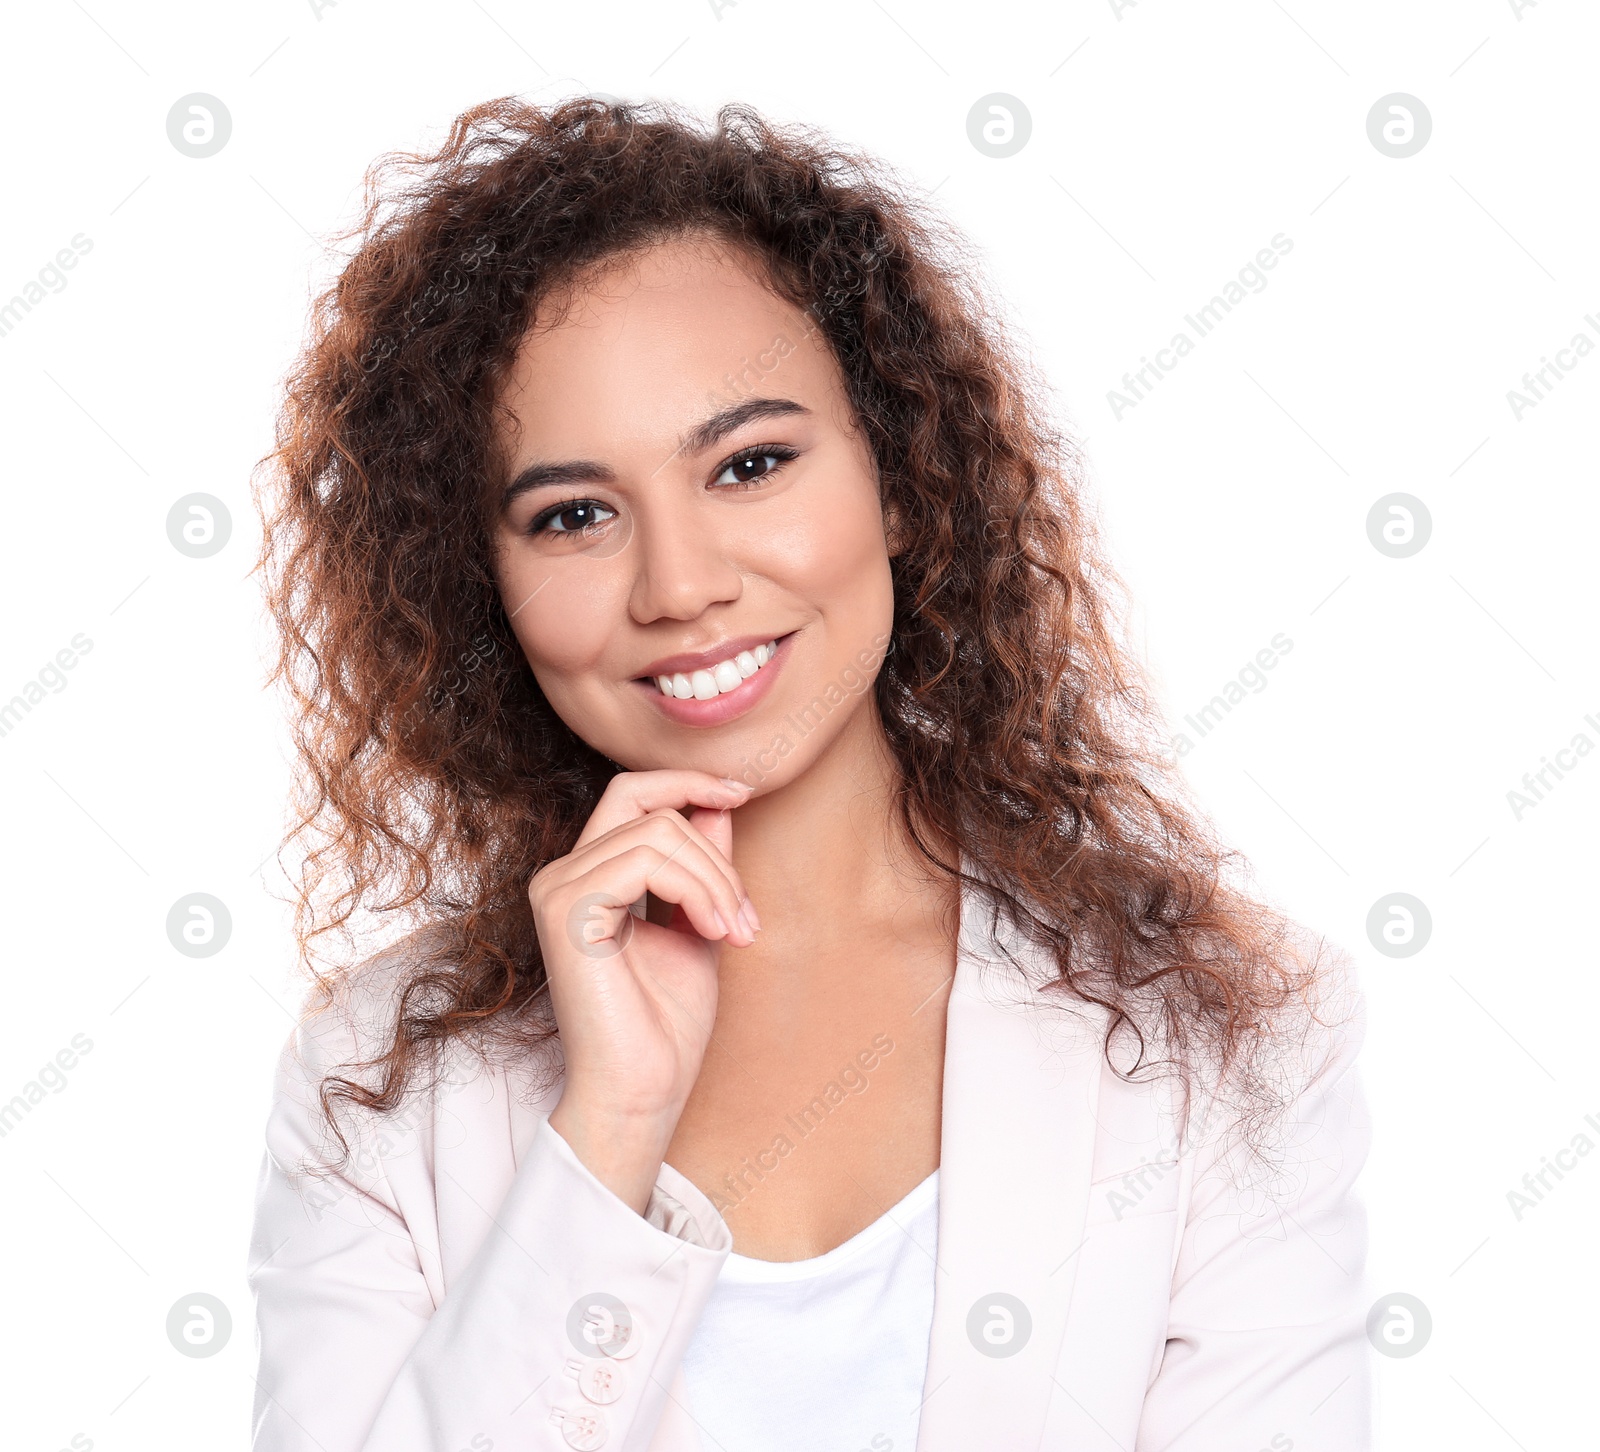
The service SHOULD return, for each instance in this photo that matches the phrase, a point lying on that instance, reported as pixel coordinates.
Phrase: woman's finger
(666, 827)
(624, 878)
(632, 794)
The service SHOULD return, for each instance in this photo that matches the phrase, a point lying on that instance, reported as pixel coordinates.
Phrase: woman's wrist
(624, 1153)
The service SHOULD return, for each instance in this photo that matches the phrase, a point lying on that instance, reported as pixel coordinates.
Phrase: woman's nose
(683, 563)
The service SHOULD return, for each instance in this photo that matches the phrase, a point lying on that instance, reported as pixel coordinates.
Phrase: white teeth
(721, 678)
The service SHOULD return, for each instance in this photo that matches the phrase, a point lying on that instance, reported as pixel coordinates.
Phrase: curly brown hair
(437, 779)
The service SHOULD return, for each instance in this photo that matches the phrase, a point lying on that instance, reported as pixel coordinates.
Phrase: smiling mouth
(717, 680)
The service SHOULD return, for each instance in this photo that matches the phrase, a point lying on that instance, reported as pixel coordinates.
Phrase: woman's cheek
(834, 543)
(853, 560)
(564, 624)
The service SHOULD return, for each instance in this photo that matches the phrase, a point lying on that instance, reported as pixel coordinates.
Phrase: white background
(1170, 142)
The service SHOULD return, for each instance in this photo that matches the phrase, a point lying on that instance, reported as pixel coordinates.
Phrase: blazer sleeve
(1266, 1340)
(563, 1330)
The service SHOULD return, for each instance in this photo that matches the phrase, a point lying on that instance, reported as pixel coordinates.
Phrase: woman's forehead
(693, 263)
(646, 344)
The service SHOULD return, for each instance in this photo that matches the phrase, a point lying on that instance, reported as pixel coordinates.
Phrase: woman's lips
(716, 710)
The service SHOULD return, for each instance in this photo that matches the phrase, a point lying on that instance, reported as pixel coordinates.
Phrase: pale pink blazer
(434, 1298)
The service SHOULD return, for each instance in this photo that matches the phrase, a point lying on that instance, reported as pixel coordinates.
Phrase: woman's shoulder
(1298, 1061)
(1325, 1024)
(1302, 1111)
(354, 1011)
(340, 1048)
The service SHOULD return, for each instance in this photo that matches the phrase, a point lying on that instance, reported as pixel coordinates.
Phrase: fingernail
(749, 909)
(737, 785)
(716, 917)
(744, 922)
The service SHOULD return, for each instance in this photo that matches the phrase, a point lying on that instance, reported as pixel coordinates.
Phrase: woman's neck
(831, 870)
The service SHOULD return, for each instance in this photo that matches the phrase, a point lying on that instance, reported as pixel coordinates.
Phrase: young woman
(825, 1023)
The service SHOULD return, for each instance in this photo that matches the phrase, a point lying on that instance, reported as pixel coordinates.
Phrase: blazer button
(584, 1429)
(600, 1381)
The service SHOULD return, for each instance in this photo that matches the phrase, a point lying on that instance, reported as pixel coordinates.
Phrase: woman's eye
(571, 518)
(748, 468)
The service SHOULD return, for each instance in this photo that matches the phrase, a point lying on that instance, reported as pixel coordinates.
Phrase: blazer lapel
(1016, 1154)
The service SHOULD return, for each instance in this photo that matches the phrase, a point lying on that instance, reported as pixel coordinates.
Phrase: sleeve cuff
(677, 1206)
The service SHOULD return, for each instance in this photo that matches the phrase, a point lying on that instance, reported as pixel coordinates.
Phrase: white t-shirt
(821, 1355)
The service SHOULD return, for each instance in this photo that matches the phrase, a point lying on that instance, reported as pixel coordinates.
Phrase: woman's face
(689, 486)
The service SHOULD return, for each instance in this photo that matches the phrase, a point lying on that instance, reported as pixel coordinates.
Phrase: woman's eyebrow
(702, 436)
(574, 471)
(736, 416)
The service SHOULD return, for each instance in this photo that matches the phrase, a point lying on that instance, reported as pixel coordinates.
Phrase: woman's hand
(635, 999)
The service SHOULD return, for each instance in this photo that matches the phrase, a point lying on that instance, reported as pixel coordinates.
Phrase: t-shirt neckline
(892, 1222)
